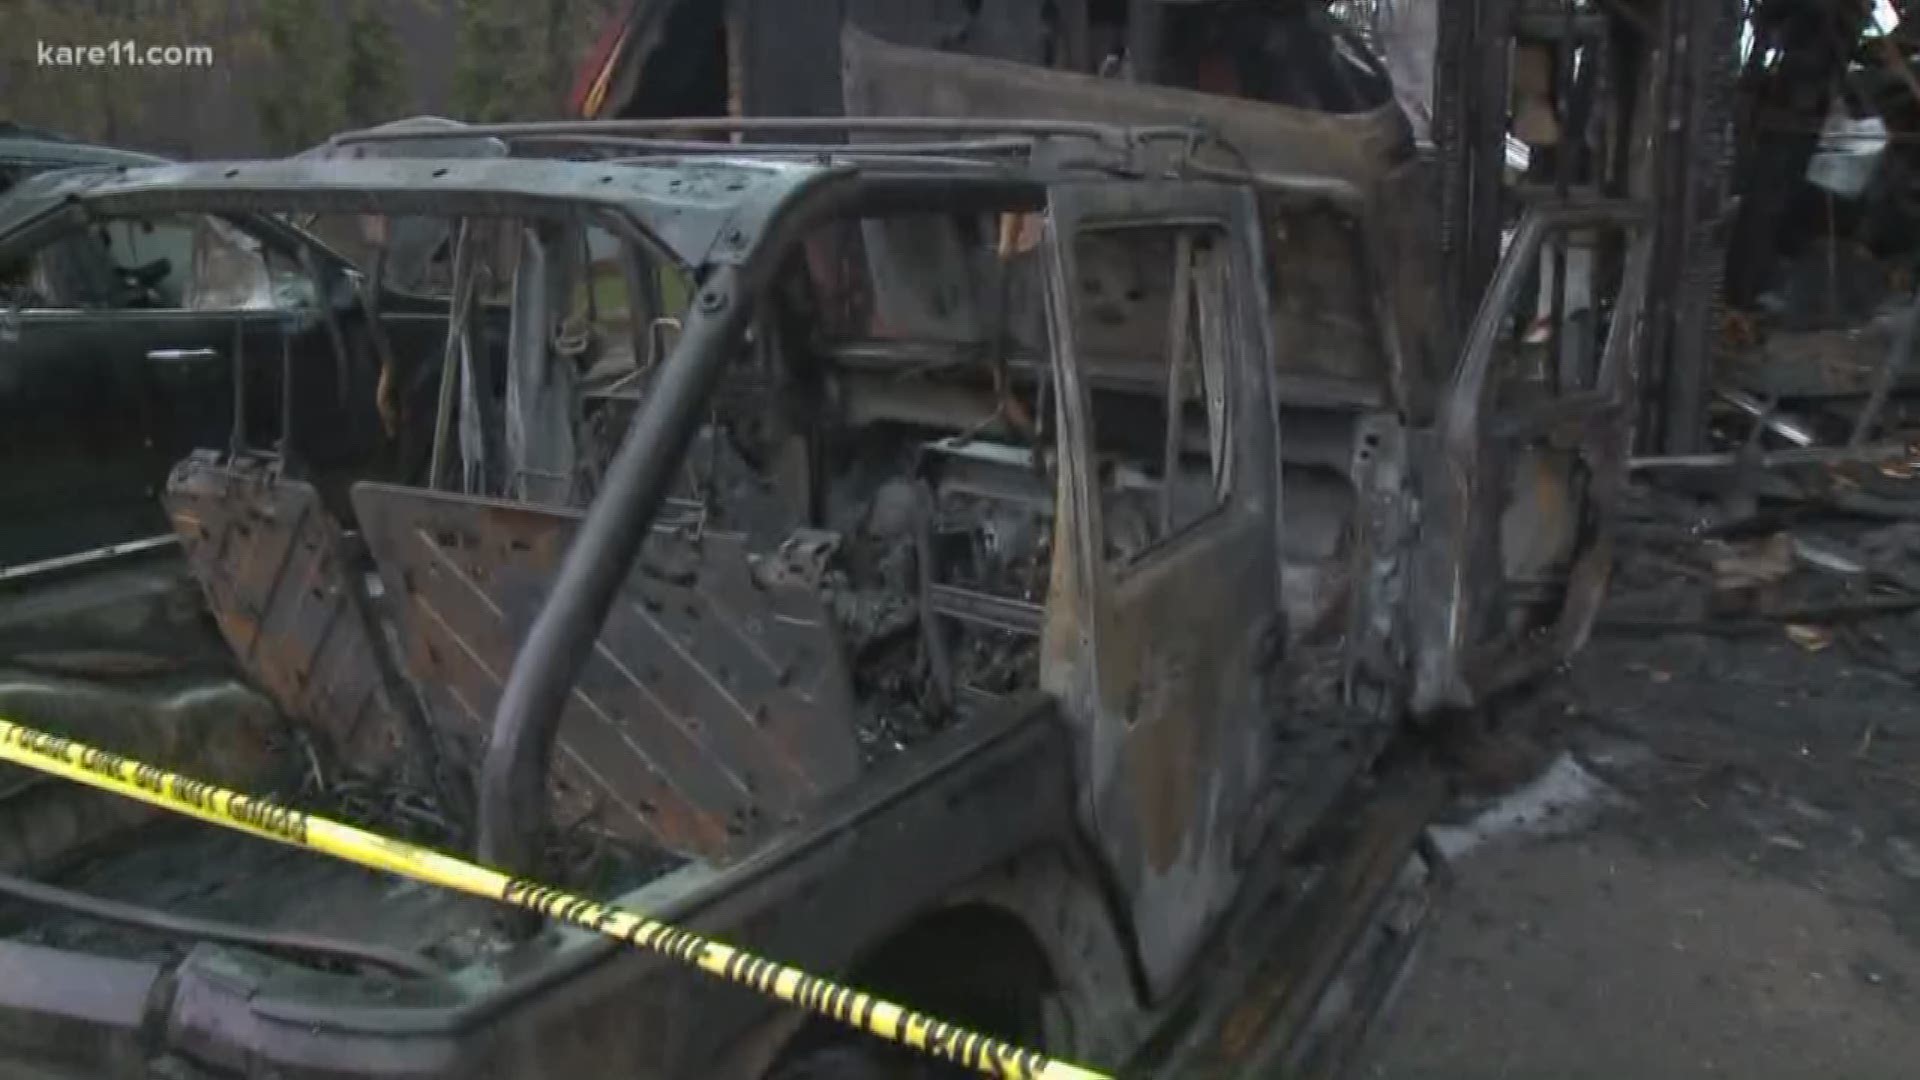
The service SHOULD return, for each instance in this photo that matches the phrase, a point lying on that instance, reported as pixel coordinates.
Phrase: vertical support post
(1144, 22)
(1695, 157)
(1472, 73)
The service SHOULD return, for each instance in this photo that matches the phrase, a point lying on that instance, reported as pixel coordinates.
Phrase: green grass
(609, 291)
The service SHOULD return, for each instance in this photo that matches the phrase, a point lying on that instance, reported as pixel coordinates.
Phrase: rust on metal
(272, 562)
(1464, 653)
(715, 704)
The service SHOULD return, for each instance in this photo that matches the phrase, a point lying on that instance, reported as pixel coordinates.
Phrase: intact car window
(193, 262)
(156, 252)
(71, 271)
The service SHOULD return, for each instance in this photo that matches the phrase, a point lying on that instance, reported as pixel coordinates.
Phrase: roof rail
(968, 140)
(640, 147)
(586, 132)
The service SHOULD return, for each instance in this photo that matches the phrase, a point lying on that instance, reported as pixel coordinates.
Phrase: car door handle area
(182, 356)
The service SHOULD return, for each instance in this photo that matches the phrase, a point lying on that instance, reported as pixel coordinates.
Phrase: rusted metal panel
(1176, 722)
(1312, 957)
(272, 562)
(907, 843)
(715, 704)
(1463, 650)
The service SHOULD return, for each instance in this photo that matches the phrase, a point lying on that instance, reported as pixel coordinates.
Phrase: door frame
(1199, 767)
(1455, 668)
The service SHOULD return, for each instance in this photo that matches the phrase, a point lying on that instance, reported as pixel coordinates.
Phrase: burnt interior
(882, 458)
(908, 475)
(887, 436)
(886, 441)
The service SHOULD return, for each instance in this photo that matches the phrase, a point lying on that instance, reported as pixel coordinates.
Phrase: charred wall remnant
(1798, 62)
(782, 57)
(1628, 99)
(1642, 90)
(1469, 126)
(1691, 190)
(1816, 104)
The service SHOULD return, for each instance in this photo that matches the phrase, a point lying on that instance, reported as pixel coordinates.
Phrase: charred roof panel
(689, 208)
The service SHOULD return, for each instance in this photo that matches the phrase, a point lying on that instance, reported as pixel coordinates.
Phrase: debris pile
(1790, 559)
(1819, 333)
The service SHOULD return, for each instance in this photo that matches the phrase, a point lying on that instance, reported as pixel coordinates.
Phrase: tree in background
(370, 90)
(302, 46)
(287, 73)
(515, 59)
(336, 63)
(107, 103)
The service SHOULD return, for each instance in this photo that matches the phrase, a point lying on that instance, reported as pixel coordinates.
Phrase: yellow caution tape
(111, 772)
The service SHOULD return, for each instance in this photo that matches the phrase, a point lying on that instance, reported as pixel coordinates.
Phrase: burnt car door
(1527, 455)
(118, 352)
(1166, 596)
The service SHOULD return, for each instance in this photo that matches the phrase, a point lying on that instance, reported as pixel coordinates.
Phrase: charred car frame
(985, 597)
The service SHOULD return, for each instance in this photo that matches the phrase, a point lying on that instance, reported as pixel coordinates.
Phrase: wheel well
(973, 964)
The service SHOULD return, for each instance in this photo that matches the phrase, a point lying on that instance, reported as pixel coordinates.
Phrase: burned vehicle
(942, 558)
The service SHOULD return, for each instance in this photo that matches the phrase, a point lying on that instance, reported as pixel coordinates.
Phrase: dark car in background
(50, 536)
(125, 345)
(25, 151)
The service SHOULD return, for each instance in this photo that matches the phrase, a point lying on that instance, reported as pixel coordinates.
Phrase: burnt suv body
(951, 573)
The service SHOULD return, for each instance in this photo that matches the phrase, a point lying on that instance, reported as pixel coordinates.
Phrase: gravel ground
(1742, 899)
